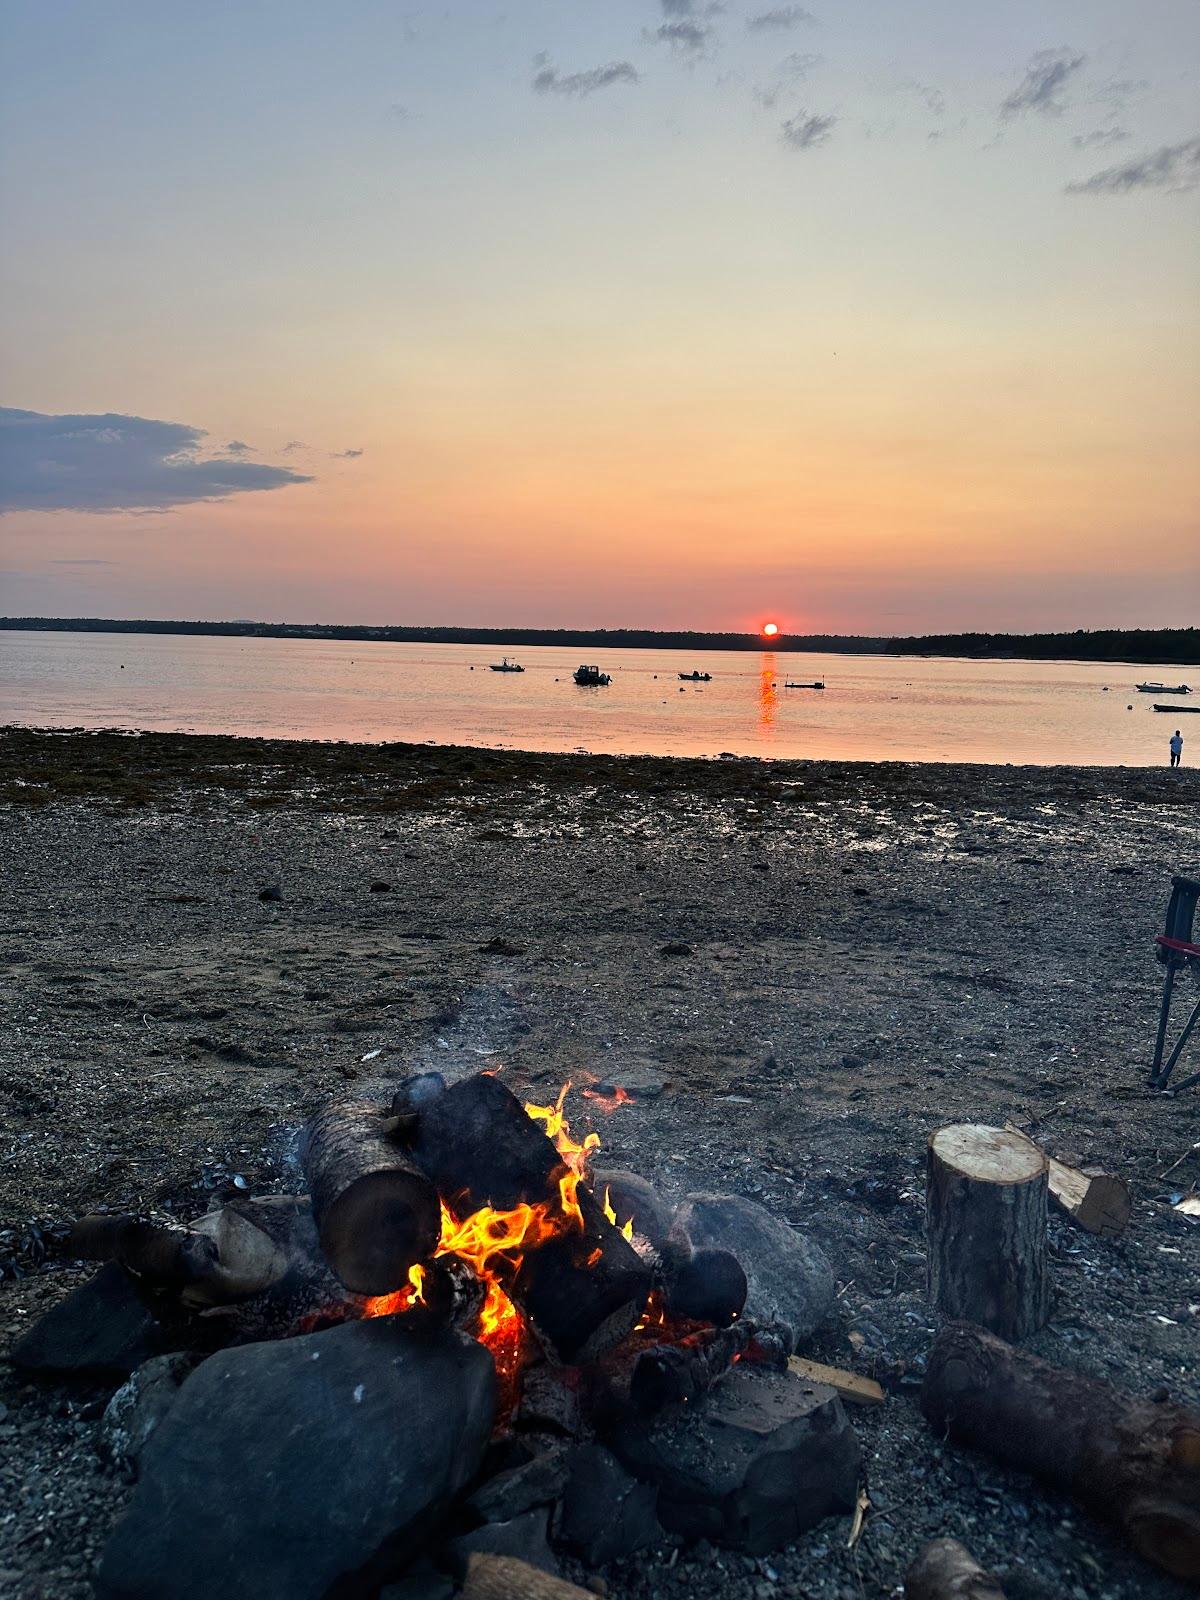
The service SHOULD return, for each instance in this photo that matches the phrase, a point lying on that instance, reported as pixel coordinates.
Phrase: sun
(770, 629)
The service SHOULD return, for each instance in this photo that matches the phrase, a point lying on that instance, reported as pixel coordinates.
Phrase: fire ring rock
(300, 1468)
(759, 1459)
(789, 1281)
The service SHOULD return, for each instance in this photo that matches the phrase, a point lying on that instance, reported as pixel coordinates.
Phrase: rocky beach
(795, 970)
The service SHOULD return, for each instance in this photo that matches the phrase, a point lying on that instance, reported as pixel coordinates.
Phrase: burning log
(708, 1285)
(985, 1199)
(946, 1570)
(1135, 1463)
(377, 1214)
(676, 1374)
(581, 1283)
(506, 1578)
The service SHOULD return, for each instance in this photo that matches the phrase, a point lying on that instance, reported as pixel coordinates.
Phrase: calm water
(873, 707)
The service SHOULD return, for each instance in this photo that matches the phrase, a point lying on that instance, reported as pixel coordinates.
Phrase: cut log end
(988, 1155)
(374, 1232)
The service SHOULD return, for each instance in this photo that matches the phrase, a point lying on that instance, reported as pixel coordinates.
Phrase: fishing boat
(1181, 711)
(507, 666)
(1162, 688)
(696, 677)
(591, 677)
(817, 685)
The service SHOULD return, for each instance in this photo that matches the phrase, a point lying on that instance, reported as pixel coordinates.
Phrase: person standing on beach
(1176, 748)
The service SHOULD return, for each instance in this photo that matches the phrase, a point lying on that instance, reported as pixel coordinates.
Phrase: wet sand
(874, 949)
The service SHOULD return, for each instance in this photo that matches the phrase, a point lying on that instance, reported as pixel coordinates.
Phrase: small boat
(1181, 711)
(817, 685)
(507, 666)
(1162, 688)
(591, 677)
(696, 677)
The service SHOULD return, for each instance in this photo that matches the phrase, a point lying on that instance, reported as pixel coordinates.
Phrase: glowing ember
(620, 1096)
(412, 1294)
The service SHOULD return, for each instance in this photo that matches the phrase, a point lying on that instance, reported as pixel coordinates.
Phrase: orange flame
(412, 1294)
(620, 1096)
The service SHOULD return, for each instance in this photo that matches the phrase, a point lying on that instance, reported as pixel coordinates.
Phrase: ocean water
(873, 708)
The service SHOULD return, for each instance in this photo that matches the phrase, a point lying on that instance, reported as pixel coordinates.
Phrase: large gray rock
(139, 1405)
(789, 1280)
(759, 1459)
(522, 1537)
(103, 1328)
(306, 1467)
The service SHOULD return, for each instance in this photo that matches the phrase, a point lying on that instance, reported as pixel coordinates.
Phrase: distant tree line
(1146, 645)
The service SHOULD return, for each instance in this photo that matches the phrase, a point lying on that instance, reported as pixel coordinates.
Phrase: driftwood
(583, 1288)
(985, 1214)
(850, 1386)
(946, 1570)
(377, 1214)
(506, 1578)
(1095, 1201)
(1135, 1463)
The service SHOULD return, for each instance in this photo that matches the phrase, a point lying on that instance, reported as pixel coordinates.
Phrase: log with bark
(160, 1255)
(506, 1578)
(1096, 1201)
(985, 1214)
(678, 1373)
(1135, 1463)
(946, 1570)
(377, 1213)
(582, 1289)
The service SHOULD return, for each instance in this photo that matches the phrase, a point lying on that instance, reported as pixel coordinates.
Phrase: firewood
(1096, 1201)
(583, 1289)
(377, 1213)
(676, 1374)
(506, 1578)
(946, 1570)
(985, 1198)
(850, 1386)
(161, 1256)
(707, 1285)
(1135, 1463)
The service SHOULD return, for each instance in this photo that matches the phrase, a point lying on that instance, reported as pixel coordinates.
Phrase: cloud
(114, 463)
(1100, 138)
(1174, 166)
(293, 445)
(346, 455)
(1038, 90)
(235, 447)
(685, 35)
(781, 18)
(548, 80)
(806, 130)
(792, 69)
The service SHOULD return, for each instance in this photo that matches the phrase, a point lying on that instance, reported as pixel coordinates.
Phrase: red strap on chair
(1179, 945)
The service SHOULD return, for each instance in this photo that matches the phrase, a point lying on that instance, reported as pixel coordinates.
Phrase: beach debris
(1133, 1462)
(1095, 1200)
(273, 891)
(985, 1222)
(676, 947)
(946, 1570)
(1189, 1206)
(381, 886)
(849, 1386)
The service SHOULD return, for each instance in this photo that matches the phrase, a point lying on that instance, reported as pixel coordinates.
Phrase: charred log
(707, 1286)
(677, 1374)
(477, 1145)
(1136, 1463)
(377, 1213)
(161, 1256)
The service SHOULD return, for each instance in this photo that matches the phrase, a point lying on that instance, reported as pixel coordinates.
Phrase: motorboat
(817, 685)
(507, 666)
(1162, 688)
(696, 677)
(591, 678)
(1181, 711)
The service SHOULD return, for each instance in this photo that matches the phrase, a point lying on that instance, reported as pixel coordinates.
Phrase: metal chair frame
(1176, 950)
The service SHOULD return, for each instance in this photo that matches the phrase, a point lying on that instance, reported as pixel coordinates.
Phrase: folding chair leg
(1178, 1051)
(1163, 1016)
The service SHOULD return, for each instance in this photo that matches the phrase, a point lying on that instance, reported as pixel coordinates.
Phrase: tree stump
(985, 1218)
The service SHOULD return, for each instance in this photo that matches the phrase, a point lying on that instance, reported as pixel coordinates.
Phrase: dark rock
(381, 887)
(636, 1078)
(709, 1286)
(523, 1537)
(509, 1494)
(789, 1280)
(291, 1469)
(500, 946)
(759, 1459)
(676, 948)
(853, 1063)
(631, 1196)
(422, 1582)
(139, 1405)
(104, 1327)
(273, 891)
(606, 1513)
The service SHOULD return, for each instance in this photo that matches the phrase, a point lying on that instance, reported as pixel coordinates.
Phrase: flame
(575, 1155)
(620, 1096)
(625, 1227)
(412, 1294)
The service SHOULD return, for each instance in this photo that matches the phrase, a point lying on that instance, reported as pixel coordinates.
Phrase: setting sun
(770, 629)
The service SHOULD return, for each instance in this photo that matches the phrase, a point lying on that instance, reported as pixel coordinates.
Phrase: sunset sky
(869, 317)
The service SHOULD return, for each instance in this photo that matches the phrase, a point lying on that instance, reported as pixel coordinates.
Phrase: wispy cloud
(806, 130)
(293, 445)
(237, 447)
(791, 70)
(780, 19)
(685, 35)
(111, 463)
(1040, 89)
(1174, 167)
(548, 79)
(346, 455)
(1099, 138)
